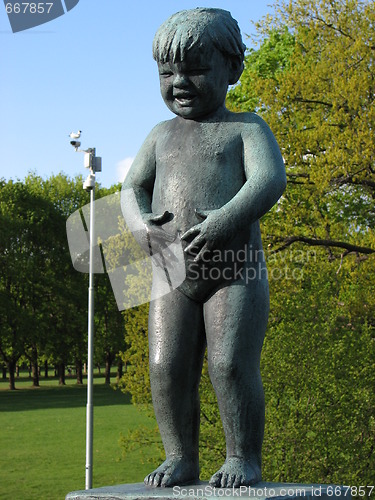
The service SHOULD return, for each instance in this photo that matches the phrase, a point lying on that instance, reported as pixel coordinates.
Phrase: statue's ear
(236, 70)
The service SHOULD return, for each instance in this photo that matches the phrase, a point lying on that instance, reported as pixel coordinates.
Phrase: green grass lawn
(42, 439)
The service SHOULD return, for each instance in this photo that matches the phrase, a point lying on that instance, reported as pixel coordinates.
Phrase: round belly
(181, 197)
(184, 184)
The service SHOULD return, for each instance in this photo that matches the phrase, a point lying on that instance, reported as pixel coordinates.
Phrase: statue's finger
(160, 218)
(195, 230)
(194, 247)
(201, 214)
(200, 254)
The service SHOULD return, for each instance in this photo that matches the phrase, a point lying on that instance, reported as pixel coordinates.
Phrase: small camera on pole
(89, 183)
(75, 144)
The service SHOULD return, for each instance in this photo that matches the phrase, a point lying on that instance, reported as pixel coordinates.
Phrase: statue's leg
(177, 344)
(236, 318)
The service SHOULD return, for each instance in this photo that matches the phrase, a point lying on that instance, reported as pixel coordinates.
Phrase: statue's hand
(158, 240)
(212, 233)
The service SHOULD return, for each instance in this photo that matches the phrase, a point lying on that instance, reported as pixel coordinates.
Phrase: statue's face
(197, 86)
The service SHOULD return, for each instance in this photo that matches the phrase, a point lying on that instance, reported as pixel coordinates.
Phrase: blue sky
(91, 69)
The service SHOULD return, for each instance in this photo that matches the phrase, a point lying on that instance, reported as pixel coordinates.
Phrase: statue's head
(198, 49)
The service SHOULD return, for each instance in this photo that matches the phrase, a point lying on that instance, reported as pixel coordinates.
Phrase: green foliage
(43, 306)
(268, 63)
(32, 261)
(212, 439)
(318, 370)
(318, 101)
(136, 379)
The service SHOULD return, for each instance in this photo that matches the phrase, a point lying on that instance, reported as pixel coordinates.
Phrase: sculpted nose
(180, 81)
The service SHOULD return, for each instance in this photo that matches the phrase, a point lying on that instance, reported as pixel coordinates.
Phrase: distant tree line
(43, 299)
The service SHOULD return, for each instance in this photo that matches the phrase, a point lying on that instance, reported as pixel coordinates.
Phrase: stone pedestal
(203, 491)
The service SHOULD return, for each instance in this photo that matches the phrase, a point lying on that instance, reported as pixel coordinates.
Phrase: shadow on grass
(69, 396)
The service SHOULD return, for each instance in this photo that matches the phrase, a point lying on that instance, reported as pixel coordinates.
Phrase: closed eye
(197, 71)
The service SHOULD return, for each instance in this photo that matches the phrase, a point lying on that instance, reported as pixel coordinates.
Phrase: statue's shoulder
(160, 128)
(251, 125)
(247, 119)
(156, 133)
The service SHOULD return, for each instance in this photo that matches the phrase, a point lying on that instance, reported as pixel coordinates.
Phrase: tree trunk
(98, 366)
(119, 370)
(61, 371)
(30, 370)
(18, 371)
(46, 369)
(34, 366)
(35, 372)
(79, 371)
(4, 368)
(108, 364)
(11, 368)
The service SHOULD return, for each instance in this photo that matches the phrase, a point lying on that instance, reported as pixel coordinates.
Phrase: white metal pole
(90, 381)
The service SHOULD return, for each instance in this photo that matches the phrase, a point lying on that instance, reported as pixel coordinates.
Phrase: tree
(66, 308)
(312, 79)
(109, 325)
(313, 82)
(41, 310)
(25, 219)
(109, 321)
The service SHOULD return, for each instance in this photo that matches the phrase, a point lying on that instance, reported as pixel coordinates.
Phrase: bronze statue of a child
(206, 177)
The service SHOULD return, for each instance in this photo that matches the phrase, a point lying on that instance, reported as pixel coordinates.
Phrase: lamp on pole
(94, 164)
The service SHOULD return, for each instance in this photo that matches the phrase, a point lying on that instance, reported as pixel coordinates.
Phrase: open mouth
(184, 100)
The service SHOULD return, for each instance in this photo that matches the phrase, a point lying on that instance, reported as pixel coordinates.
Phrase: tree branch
(312, 101)
(293, 179)
(349, 180)
(330, 25)
(289, 240)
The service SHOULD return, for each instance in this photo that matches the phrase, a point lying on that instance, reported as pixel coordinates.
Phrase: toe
(237, 481)
(216, 479)
(158, 479)
(224, 480)
(230, 480)
(165, 481)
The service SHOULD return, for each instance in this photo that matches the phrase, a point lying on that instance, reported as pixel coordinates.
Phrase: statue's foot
(175, 470)
(236, 472)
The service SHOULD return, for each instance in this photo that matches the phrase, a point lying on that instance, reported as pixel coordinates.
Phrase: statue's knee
(157, 369)
(222, 370)
(162, 374)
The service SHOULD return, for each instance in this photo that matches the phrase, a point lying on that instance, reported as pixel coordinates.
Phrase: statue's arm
(136, 194)
(136, 198)
(265, 175)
